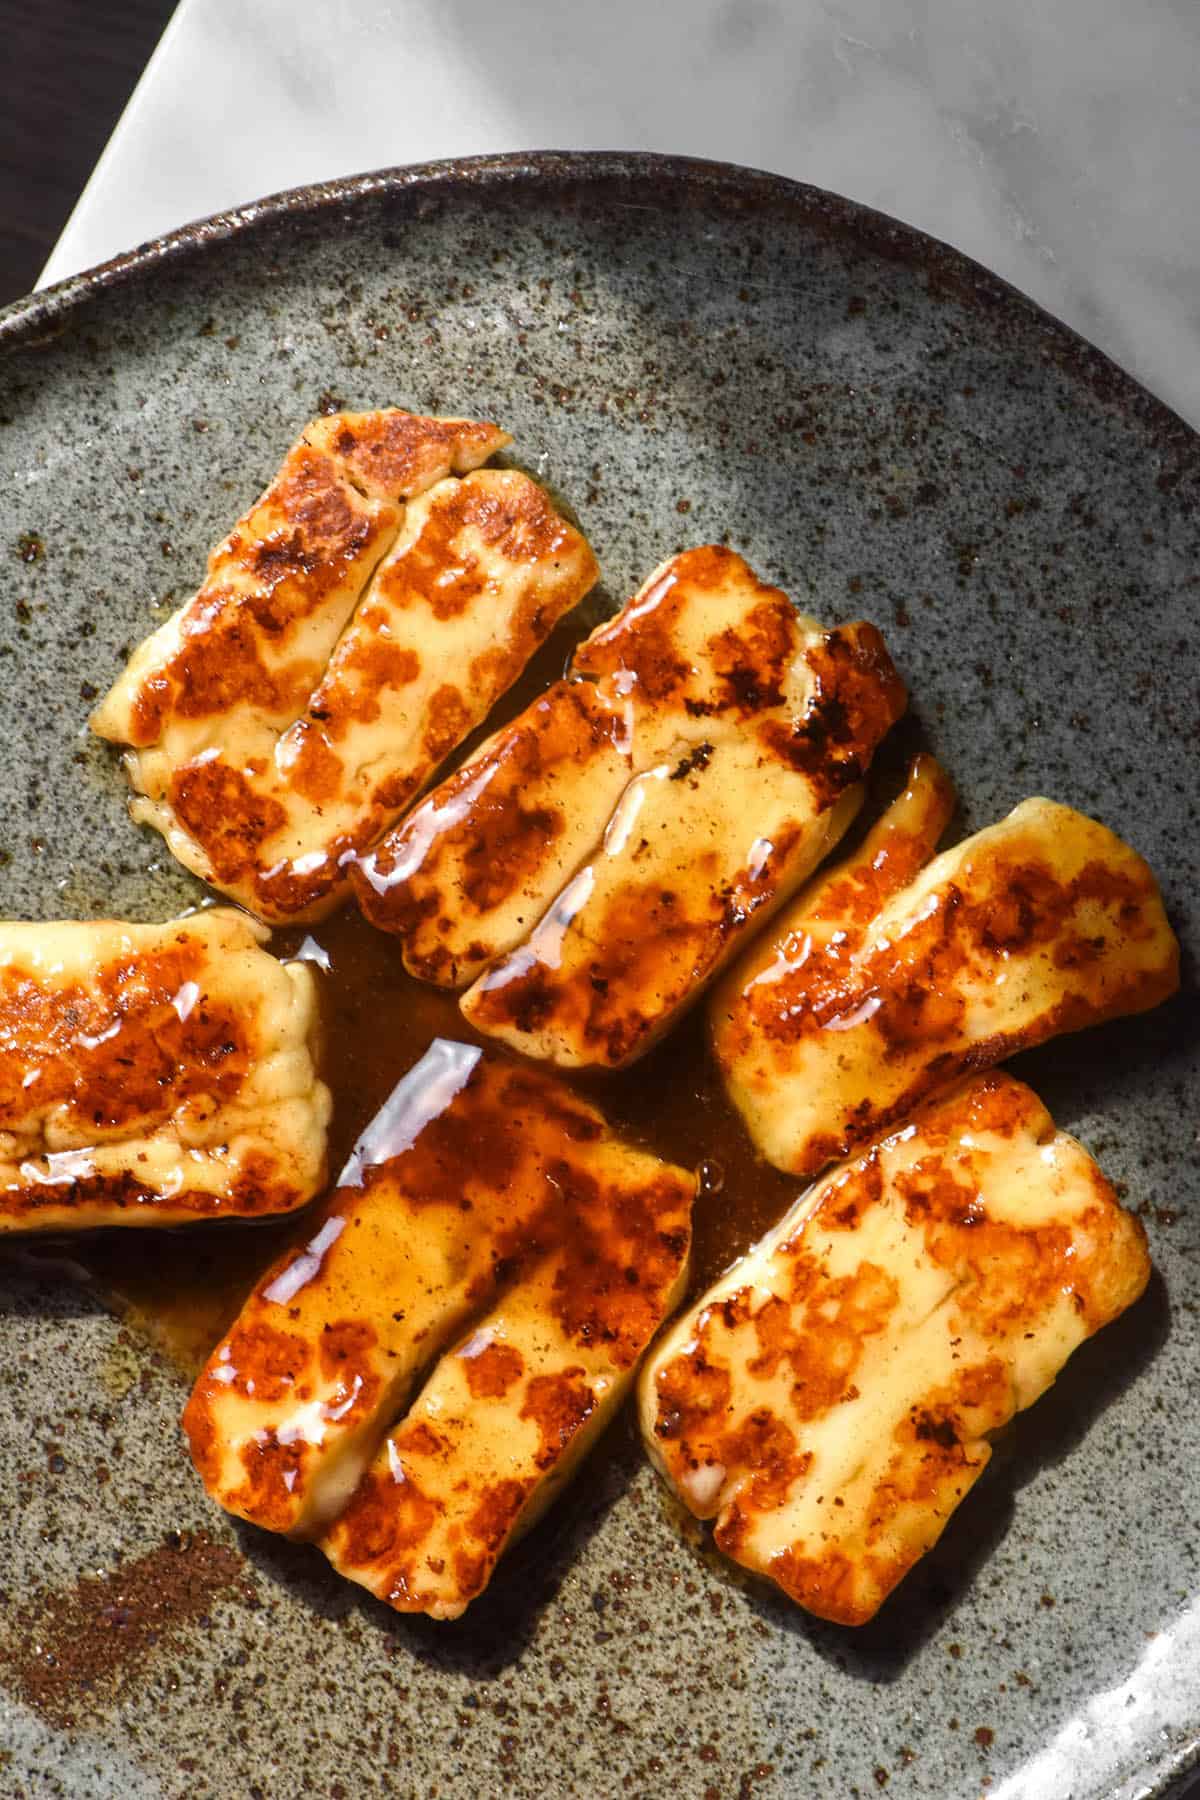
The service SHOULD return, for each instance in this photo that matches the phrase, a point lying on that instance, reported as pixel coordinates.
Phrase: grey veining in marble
(1056, 143)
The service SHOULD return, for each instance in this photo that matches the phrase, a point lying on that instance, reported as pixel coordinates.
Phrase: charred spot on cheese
(357, 623)
(492, 1368)
(699, 759)
(491, 1248)
(221, 804)
(829, 1402)
(887, 981)
(277, 592)
(857, 696)
(152, 1074)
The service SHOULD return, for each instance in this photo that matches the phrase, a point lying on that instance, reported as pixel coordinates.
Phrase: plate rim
(37, 318)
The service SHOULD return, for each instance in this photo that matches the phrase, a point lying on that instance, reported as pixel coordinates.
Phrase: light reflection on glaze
(422, 829)
(185, 1000)
(625, 816)
(761, 852)
(420, 1096)
(311, 951)
(857, 1015)
(60, 1168)
(307, 1265)
(650, 599)
(545, 946)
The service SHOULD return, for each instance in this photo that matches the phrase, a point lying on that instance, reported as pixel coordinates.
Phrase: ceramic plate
(685, 352)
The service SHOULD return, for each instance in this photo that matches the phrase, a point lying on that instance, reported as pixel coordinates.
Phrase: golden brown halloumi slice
(155, 1074)
(608, 850)
(1041, 924)
(633, 938)
(472, 1180)
(722, 823)
(353, 628)
(291, 1404)
(828, 1401)
(472, 868)
(507, 1416)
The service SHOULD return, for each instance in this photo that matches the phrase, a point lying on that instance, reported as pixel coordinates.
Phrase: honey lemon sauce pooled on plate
(828, 1401)
(596, 862)
(155, 1074)
(490, 1238)
(356, 624)
(885, 981)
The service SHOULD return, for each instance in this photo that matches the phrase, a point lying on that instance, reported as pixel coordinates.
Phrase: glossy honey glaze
(181, 1288)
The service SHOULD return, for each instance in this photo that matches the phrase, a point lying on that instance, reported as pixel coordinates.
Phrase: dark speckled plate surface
(685, 352)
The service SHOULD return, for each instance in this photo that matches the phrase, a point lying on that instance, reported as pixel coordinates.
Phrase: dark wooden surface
(67, 67)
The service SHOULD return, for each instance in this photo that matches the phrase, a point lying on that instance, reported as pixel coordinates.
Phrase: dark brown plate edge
(665, 181)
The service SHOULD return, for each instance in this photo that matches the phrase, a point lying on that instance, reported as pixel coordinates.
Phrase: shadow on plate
(38, 1281)
(1140, 1057)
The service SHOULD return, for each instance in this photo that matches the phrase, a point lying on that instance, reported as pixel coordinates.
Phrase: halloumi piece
(358, 622)
(1043, 923)
(707, 677)
(711, 836)
(508, 1415)
(828, 1402)
(475, 1179)
(155, 1075)
(473, 866)
(606, 852)
(636, 935)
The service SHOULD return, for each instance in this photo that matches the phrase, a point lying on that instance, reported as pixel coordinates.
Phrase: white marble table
(1053, 140)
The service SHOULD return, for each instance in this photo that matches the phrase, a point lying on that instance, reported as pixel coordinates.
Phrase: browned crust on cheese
(398, 453)
(114, 1051)
(1007, 1279)
(745, 669)
(848, 896)
(234, 818)
(263, 582)
(522, 1157)
(487, 831)
(705, 646)
(139, 1049)
(256, 1190)
(1014, 902)
(280, 596)
(857, 698)
(654, 946)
